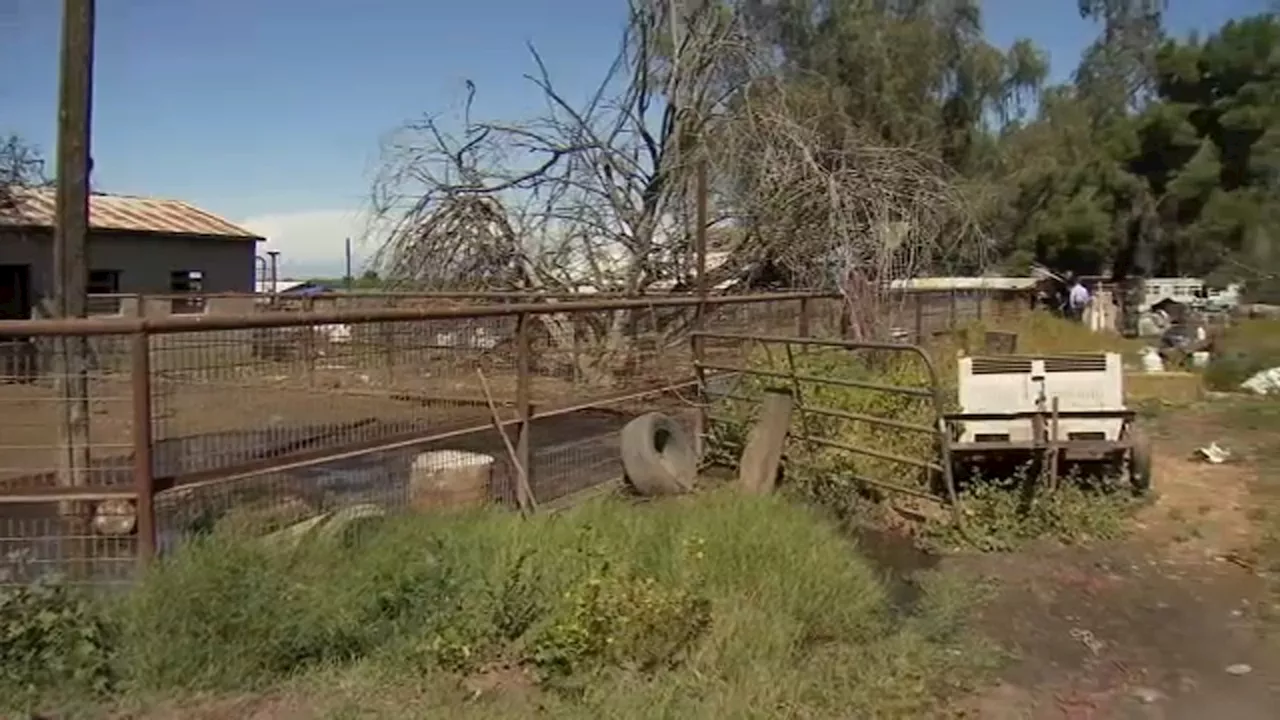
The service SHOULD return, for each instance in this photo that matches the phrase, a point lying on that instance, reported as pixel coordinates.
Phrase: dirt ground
(1172, 623)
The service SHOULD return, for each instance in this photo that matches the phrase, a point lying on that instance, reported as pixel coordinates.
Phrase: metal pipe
(198, 323)
(143, 473)
(839, 382)
(524, 407)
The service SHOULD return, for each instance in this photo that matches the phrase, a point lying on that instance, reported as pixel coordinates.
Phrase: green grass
(1042, 332)
(1259, 419)
(713, 606)
(1244, 349)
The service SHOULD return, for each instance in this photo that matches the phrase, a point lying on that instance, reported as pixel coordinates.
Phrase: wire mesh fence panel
(229, 397)
(43, 408)
(462, 471)
(66, 434)
(579, 451)
(307, 418)
(36, 543)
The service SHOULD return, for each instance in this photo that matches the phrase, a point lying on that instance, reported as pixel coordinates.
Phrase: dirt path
(1170, 624)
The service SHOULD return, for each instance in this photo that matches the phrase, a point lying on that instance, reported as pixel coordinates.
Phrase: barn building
(136, 246)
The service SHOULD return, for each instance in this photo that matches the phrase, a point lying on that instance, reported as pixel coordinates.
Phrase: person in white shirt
(1077, 299)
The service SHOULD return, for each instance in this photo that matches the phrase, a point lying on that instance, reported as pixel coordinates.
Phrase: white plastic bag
(1266, 382)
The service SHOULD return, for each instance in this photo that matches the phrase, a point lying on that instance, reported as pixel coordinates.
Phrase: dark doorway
(15, 292)
(17, 355)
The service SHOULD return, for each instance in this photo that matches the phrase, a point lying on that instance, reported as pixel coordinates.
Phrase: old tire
(658, 455)
(1140, 465)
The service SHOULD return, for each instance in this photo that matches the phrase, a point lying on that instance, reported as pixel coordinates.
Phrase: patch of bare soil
(1166, 625)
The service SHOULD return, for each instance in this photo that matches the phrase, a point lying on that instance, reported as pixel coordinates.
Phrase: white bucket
(449, 478)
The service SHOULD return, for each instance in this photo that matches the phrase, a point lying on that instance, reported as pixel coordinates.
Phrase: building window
(189, 283)
(103, 289)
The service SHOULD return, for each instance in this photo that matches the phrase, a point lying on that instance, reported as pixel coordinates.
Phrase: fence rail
(186, 419)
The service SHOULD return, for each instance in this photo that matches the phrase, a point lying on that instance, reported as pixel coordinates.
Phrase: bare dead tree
(578, 196)
(836, 207)
(21, 166)
(581, 198)
(593, 197)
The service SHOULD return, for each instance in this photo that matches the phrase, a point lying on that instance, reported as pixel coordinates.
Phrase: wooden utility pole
(70, 228)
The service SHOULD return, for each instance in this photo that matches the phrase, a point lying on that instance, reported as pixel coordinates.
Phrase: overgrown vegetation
(1005, 514)
(821, 472)
(717, 606)
(52, 638)
(1241, 351)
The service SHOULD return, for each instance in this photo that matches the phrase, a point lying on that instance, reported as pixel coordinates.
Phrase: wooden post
(143, 471)
(524, 406)
(309, 349)
(762, 455)
(700, 312)
(919, 320)
(70, 277)
(389, 342)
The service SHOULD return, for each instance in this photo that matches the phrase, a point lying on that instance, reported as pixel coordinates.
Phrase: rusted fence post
(802, 323)
(143, 472)
(919, 319)
(700, 422)
(388, 344)
(954, 312)
(700, 311)
(309, 341)
(524, 400)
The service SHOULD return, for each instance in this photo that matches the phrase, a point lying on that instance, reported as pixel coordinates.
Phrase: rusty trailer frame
(1047, 443)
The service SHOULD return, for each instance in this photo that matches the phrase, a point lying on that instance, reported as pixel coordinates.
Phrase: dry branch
(593, 198)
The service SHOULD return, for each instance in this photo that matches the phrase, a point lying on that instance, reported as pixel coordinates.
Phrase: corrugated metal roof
(124, 213)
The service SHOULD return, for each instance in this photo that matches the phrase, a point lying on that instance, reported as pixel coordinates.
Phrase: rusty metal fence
(185, 420)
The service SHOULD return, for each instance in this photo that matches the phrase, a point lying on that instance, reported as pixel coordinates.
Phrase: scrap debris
(1214, 454)
(1266, 382)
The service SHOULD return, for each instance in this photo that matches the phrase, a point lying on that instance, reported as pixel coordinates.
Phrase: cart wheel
(1140, 465)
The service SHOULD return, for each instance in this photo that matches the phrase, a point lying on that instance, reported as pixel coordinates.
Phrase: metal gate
(785, 358)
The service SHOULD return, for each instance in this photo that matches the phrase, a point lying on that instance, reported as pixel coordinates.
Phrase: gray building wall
(144, 262)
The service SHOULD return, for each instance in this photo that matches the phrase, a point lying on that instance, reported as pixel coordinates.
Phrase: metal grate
(1001, 365)
(1075, 363)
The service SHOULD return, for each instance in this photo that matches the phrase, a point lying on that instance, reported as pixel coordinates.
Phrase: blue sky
(269, 112)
